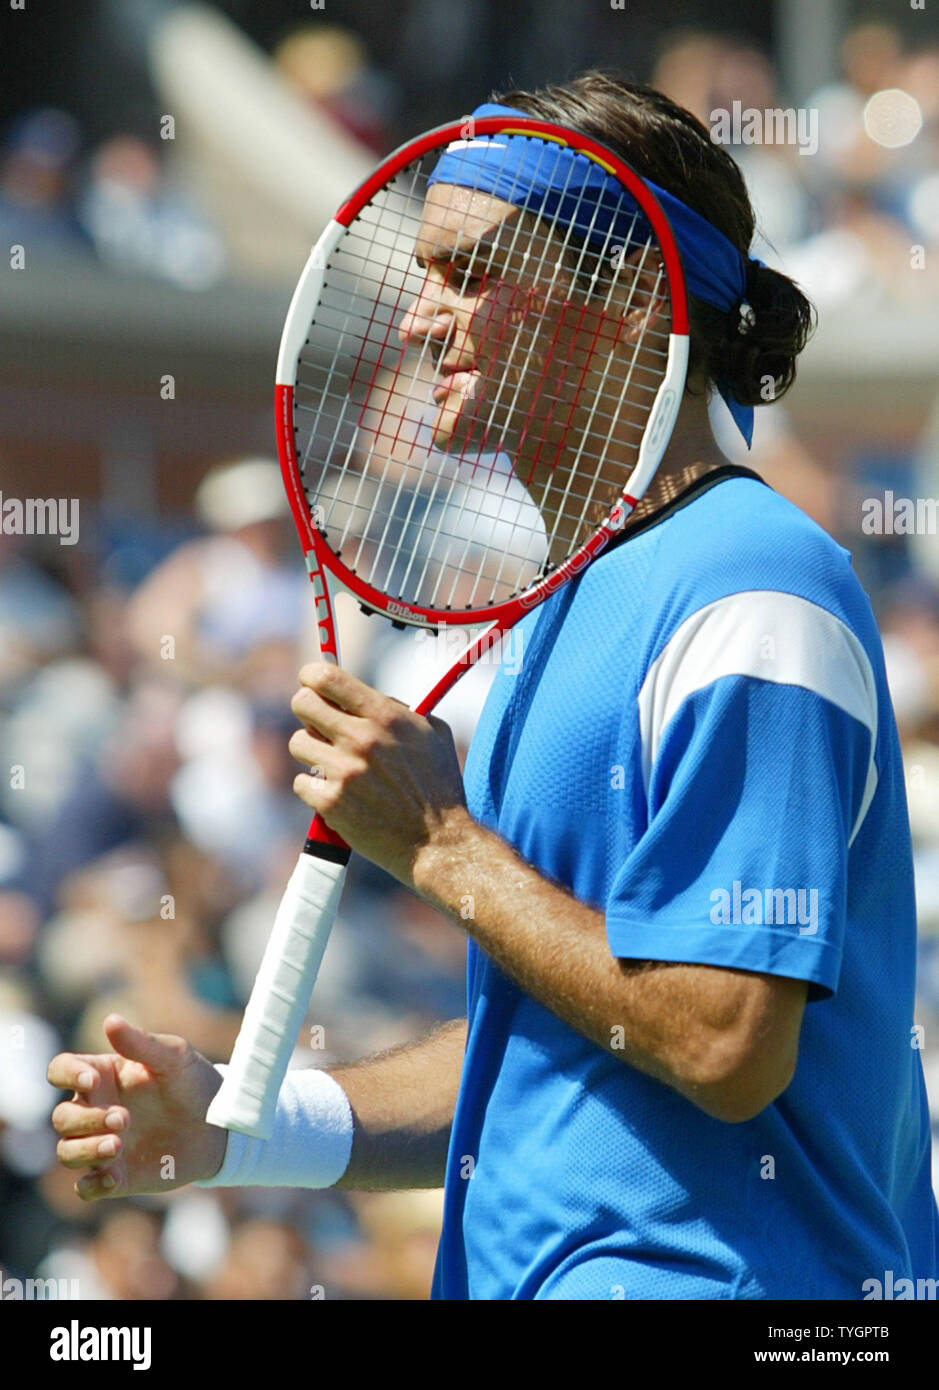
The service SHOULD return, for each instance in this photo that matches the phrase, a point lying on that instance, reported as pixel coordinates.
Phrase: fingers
(329, 735)
(317, 714)
(331, 682)
(309, 750)
(321, 796)
(73, 1072)
(84, 1153)
(90, 1134)
(72, 1119)
(102, 1182)
(159, 1052)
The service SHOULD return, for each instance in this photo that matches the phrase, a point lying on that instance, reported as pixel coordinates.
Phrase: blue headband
(551, 180)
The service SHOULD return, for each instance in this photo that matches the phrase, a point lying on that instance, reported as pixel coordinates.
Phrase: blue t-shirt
(699, 742)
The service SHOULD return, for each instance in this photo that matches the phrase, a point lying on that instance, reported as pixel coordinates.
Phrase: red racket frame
(499, 618)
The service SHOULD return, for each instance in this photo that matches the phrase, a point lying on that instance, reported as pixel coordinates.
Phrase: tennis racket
(471, 398)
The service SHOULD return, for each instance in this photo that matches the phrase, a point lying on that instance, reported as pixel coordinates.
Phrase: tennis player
(681, 854)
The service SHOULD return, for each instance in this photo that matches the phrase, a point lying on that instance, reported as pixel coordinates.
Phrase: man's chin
(457, 423)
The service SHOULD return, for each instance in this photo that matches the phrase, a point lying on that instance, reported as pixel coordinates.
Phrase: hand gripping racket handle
(247, 1098)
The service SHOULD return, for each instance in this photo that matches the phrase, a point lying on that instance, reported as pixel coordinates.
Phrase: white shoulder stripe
(770, 636)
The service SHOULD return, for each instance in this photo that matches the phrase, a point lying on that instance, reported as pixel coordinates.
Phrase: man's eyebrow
(472, 251)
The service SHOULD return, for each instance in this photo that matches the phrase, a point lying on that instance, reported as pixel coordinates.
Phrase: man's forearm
(679, 1023)
(402, 1105)
(551, 944)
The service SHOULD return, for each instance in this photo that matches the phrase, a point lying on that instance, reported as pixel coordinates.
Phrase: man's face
(492, 290)
(528, 357)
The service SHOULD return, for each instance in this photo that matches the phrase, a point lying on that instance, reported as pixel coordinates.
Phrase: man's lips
(463, 381)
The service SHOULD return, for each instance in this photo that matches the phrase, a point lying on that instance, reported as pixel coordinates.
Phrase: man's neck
(691, 453)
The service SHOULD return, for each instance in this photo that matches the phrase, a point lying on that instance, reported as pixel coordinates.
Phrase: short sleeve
(758, 725)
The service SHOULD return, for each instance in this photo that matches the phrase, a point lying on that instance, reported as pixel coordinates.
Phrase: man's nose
(424, 318)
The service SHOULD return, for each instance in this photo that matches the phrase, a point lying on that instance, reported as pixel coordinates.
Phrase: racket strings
(518, 229)
(566, 363)
(540, 437)
(450, 338)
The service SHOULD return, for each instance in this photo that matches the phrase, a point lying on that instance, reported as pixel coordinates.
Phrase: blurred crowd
(842, 218)
(139, 206)
(147, 828)
(147, 824)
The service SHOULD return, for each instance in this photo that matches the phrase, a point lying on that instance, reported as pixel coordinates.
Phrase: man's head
(530, 335)
(671, 149)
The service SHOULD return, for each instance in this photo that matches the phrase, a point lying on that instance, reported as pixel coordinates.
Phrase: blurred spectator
(140, 869)
(265, 1260)
(918, 196)
(216, 603)
(109, 786)
(329, 67)
(38, 618)
(871, 62)
(232, 793)
(38, 160)
(874, 176)
(708, 74)
(126, 1260)
(137, 223)
(396, 1259)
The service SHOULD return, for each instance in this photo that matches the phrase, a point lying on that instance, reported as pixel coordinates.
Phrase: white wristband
(310, 1145)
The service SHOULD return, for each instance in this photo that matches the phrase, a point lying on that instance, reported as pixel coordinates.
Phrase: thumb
(159, 1052)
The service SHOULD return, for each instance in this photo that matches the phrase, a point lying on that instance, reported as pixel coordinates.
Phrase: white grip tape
(247, 1098)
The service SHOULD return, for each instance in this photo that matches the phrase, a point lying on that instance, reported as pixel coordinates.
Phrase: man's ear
(640, 292)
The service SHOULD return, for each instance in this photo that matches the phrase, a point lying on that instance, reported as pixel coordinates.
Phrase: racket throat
(478, 646)
(325, 617)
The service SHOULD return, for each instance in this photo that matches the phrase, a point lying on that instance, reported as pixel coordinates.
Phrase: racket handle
(247, 1098)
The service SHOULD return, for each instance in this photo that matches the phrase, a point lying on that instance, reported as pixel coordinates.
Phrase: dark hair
(669, 146)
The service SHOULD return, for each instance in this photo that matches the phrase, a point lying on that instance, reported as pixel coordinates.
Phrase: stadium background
(146, 819)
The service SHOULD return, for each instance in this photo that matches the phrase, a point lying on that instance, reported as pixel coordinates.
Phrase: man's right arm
(149, 1097)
